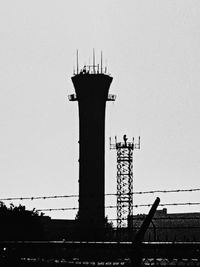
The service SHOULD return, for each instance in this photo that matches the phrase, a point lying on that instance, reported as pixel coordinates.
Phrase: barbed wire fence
(107, 207)
(166, 226)
(135, 206)
(163, 227)
(109, 194)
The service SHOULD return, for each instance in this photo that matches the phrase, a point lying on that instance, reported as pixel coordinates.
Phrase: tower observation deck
(91, 85)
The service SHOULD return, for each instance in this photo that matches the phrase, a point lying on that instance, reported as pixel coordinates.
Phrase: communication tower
(91, 85)
(124, 179)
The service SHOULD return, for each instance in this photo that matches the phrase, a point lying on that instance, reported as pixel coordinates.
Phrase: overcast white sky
(152, 49)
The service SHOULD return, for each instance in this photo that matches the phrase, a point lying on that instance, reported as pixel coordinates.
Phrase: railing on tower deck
(111, 97)
(73, 97)
(123, 145)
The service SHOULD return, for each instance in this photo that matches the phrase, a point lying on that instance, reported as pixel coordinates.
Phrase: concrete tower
(91, 87)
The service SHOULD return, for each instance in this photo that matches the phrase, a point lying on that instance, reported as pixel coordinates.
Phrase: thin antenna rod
(77, 61)
(93, 60)
(106, 67)
(101, 62)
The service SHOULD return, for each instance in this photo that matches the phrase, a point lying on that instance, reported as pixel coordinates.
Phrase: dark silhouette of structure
(180, 227)
(124, 179)
(91, 86)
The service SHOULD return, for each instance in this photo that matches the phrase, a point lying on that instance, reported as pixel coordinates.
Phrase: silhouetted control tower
(91, 86)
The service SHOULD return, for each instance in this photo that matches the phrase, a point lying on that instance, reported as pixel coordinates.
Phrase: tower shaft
(92, 162)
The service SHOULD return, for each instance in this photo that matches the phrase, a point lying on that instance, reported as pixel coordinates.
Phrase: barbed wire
(37, 197)
(109, 194)
(165, 227)
(140, 218)
(135, 206)
(169, 204)
(167, 191)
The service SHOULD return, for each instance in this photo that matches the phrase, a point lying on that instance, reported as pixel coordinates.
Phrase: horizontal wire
(109, 194)
(164, 227)
(167, 191)
(141, 217)
(169, 204)
(135, 206)
(36, 198)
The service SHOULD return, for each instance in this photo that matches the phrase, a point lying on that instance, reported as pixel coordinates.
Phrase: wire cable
(109, 194)
(135, 206)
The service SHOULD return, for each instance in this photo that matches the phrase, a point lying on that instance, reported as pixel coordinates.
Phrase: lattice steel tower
(124, 179)
(91, 85)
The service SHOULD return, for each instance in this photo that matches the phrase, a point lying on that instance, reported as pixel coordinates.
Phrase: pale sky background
(152, 50)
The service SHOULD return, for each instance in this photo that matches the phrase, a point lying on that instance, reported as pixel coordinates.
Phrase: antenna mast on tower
(94, 61)
(77, 68)
(101, 62)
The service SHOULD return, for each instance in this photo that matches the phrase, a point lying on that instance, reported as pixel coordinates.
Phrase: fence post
(136, 257)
